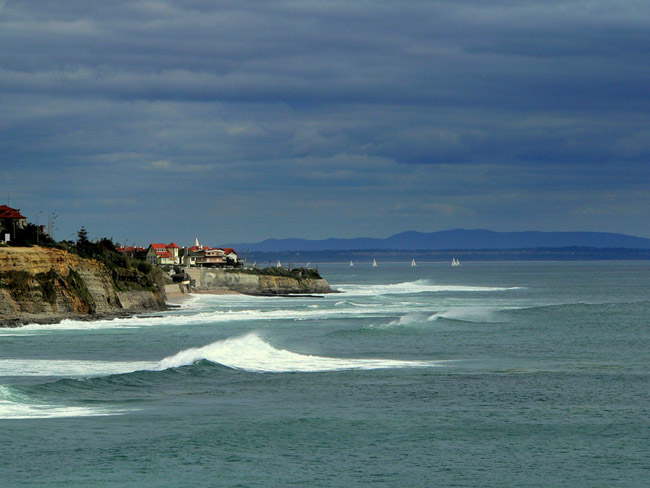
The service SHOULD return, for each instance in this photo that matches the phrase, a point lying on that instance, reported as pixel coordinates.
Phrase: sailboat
(307, 265)
(254, 264)
(351, 264)
(413, 262)
(455, 262)
(279, 265)
(374, 263)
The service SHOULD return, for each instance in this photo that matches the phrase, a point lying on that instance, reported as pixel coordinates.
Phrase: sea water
(486, 374)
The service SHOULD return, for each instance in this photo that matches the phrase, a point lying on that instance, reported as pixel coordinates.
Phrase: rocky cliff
(206, 279)
(46, 285)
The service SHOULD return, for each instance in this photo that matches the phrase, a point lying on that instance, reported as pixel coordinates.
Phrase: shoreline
(17, 322)
(175, 300)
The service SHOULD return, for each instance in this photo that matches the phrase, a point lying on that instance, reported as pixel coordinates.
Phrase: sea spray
(16, 405)
(467, 314)
(411, 287)
(251, 353)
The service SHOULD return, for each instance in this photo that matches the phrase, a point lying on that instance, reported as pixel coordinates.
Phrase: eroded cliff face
(46, 285)
(222, 280)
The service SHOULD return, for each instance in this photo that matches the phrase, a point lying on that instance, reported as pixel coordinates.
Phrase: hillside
(457, 239)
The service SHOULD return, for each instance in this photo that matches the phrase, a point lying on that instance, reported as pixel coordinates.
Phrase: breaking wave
(419, 286)
(17, 405)
(460, 314)
(251, 353)
(467, 314)
(212, 317)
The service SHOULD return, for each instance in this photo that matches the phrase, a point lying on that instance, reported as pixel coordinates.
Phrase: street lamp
(50, 222)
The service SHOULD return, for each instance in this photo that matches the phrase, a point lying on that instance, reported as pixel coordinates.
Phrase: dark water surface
(499, 374)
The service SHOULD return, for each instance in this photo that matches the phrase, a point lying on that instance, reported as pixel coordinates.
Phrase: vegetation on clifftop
(296, 273)
(128, 274)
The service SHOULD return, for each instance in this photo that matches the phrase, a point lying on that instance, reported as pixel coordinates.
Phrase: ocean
(485, 374)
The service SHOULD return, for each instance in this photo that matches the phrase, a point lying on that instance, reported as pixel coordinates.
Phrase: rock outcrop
(46, 285)
(206, 279)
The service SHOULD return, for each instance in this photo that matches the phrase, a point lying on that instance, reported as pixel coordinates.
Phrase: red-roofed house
(231, 255)
(131, 251)
(162, 254)
(173, 248)
(10, 220)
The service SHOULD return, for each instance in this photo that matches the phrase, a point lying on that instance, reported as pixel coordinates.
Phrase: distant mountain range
(453, 239)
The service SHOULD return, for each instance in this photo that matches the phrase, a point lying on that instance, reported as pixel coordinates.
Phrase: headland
(47, 285)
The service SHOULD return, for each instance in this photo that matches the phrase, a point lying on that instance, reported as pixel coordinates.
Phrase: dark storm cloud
(465, 109)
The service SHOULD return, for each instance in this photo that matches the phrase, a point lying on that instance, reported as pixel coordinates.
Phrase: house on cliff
(133, 251)
(232, 257)
(10, 221)
(208, 257)
(163, 254)
(195, 256)
(203, 256)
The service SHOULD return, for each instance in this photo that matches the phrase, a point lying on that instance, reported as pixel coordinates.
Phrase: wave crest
(418, 286)
(15, 405)
(251, 353)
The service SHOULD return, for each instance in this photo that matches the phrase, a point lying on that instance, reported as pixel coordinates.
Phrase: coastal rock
(47, 285)
(206, 279)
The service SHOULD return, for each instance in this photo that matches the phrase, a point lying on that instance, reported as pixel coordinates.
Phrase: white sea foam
(17, 406)
(208, 317)
(69, 368)
(118, 323)
(419, 286)
(251, 353)
(408, 319)
(467, 314)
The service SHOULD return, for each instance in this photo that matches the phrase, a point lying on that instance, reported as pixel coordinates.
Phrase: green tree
(84, 246)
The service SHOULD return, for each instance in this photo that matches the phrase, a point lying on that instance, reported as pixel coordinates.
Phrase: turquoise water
(499, 374)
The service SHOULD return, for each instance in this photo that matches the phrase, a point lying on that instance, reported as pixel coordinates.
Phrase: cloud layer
(160, 120)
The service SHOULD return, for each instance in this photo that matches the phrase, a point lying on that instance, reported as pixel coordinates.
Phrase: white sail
(351, 264)
(307, 265)
(374, 263)
(254, 264)
(413, 263)
(279, 265)
(455, 262)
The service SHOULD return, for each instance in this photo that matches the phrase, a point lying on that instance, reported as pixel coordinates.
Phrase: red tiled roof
(10, 213)
(172, 246)
(229, 250)
(126, 249)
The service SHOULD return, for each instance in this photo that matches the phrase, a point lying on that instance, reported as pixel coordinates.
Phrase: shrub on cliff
(30, 235)
(296, 273)
(128, 274)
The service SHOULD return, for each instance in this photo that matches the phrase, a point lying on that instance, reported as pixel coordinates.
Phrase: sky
(237, 121)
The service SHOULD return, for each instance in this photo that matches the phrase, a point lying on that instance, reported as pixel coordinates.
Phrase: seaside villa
(10, 221)
(163, 254)
(197, 255)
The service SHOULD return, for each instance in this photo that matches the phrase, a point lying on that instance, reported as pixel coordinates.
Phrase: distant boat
(351, 264)
(374, 263)
(307, 265)
(254, 264)
(279, 265)
(413, 262)
(455, 262)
